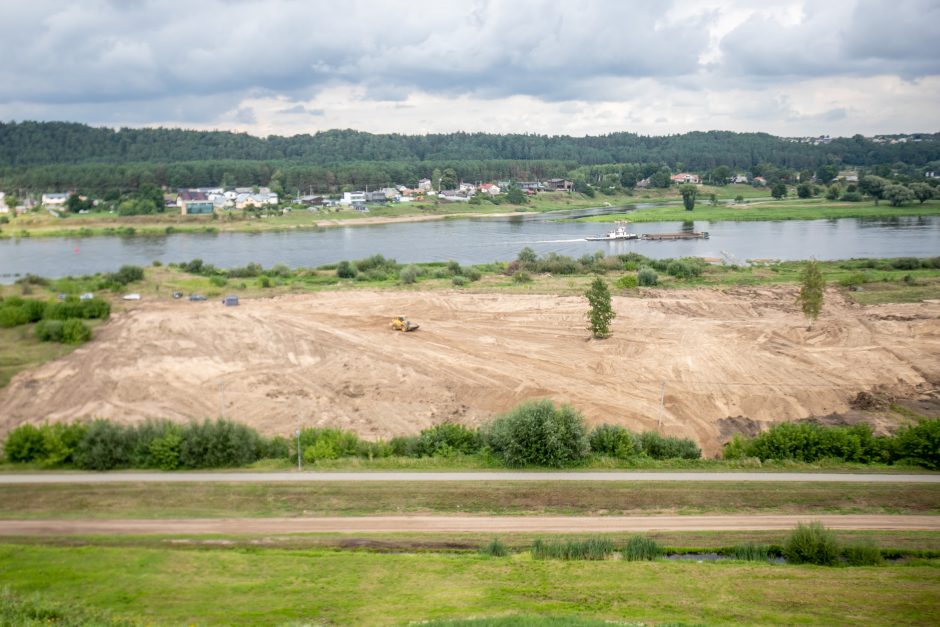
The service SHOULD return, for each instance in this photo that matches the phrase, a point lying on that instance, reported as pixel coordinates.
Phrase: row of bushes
(16, 311)
(533, 434)
(808, 442)
(105, 445)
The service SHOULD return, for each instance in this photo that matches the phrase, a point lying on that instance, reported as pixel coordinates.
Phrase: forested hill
(50, 143)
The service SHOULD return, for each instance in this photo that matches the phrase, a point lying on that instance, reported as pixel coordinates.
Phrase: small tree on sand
(601, 312)
(812, 287)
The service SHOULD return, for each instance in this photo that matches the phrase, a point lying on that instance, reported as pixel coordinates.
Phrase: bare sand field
(329, 358)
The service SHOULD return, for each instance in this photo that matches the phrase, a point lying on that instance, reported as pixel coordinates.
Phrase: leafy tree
(601, 312)
(804, 190)
(720, 175)
(833, 192)
(825, 174)
(778, 191)
(527, 256)
(537, 433)
(12, 200)
(897, 195)
(516, 196)
(873, 186)
(922, 192)
(448, 179)
(75, 203)
(688, 192)
(812, 289)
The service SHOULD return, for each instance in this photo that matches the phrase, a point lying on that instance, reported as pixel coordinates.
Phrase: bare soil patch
(330, 359)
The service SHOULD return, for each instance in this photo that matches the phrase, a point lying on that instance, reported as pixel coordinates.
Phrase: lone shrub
(866, 553)
(75, 331)
(346, 270)
(538, 434)
(615, 441)
(218, 444)
(641, 548)
(627, 282)
(521, 276)
(811, 544)
(647, 277)
(49, 330)
(459, 280)
(25, 444)
(668, 447)
(495, 549)
(447, 439)
(408, 274)
(105, 446)
(920, 443)
(472, 274)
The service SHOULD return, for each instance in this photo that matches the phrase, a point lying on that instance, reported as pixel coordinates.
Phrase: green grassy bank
(189, 585)
(810, 209)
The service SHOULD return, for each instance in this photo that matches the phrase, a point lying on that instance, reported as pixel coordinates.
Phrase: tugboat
(620, 233)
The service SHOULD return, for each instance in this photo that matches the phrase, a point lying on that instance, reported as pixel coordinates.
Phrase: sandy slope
(330, 359)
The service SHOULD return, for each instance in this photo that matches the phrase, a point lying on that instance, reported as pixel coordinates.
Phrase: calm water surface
(475, 241)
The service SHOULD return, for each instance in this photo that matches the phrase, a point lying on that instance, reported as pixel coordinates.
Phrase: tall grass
(751, 552)
(495, 549)
(35, 610)
(641, 548)
(590, 549)
(864, 554)
(811, 544)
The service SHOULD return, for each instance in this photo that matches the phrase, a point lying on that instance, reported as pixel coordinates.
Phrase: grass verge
(218, 500)
(243, 586)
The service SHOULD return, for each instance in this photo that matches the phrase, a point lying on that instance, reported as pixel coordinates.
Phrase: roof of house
(190, 195)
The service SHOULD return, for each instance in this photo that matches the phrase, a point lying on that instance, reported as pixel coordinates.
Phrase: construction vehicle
(402, 323)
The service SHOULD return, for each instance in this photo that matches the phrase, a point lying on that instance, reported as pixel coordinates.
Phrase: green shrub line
(917, 444)
(55, 321)
(534, 434)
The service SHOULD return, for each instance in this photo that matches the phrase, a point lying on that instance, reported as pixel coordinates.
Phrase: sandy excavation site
(330, 358)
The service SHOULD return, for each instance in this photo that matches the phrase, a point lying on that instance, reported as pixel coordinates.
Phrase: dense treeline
(177, 157)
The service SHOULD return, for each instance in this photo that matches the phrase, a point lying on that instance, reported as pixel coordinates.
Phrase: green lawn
(812, 209)
(274, 586)
(218, 500)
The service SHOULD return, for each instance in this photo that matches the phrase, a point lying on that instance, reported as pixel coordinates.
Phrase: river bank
(770, 210)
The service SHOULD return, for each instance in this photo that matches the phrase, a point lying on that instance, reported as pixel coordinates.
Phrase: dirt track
(457, 524)
(329, 359)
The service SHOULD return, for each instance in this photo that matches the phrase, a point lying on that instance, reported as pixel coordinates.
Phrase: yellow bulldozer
(402, 323)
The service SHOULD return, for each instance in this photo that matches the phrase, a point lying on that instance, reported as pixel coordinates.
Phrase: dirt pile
(330, 359)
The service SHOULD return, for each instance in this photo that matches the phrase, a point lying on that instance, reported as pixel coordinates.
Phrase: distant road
(365, 476)
(459, 524)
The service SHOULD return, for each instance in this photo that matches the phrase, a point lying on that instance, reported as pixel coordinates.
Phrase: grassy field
(809, 209)
(221, 500)
(191, 585)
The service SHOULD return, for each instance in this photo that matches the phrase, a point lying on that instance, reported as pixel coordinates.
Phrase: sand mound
(330, 359)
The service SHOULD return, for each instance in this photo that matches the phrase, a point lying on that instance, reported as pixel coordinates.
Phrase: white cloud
(283, 66)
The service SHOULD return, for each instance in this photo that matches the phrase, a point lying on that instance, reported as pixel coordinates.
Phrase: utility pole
(662, 399)
(298, 449)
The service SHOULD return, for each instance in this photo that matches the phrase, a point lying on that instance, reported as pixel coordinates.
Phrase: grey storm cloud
(863, 38)
(154, 60)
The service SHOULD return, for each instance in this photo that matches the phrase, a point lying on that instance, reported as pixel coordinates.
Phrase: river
(474, 241)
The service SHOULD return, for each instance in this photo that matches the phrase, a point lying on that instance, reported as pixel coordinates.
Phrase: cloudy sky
(787, 67)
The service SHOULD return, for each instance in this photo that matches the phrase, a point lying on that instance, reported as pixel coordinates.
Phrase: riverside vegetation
(534, 434)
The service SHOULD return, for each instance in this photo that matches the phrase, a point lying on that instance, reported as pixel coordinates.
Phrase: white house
(3, 203)
(353, 198)
(467, 188)
(54, 199)
(490, 188)
(425, 185)
(739, 179)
